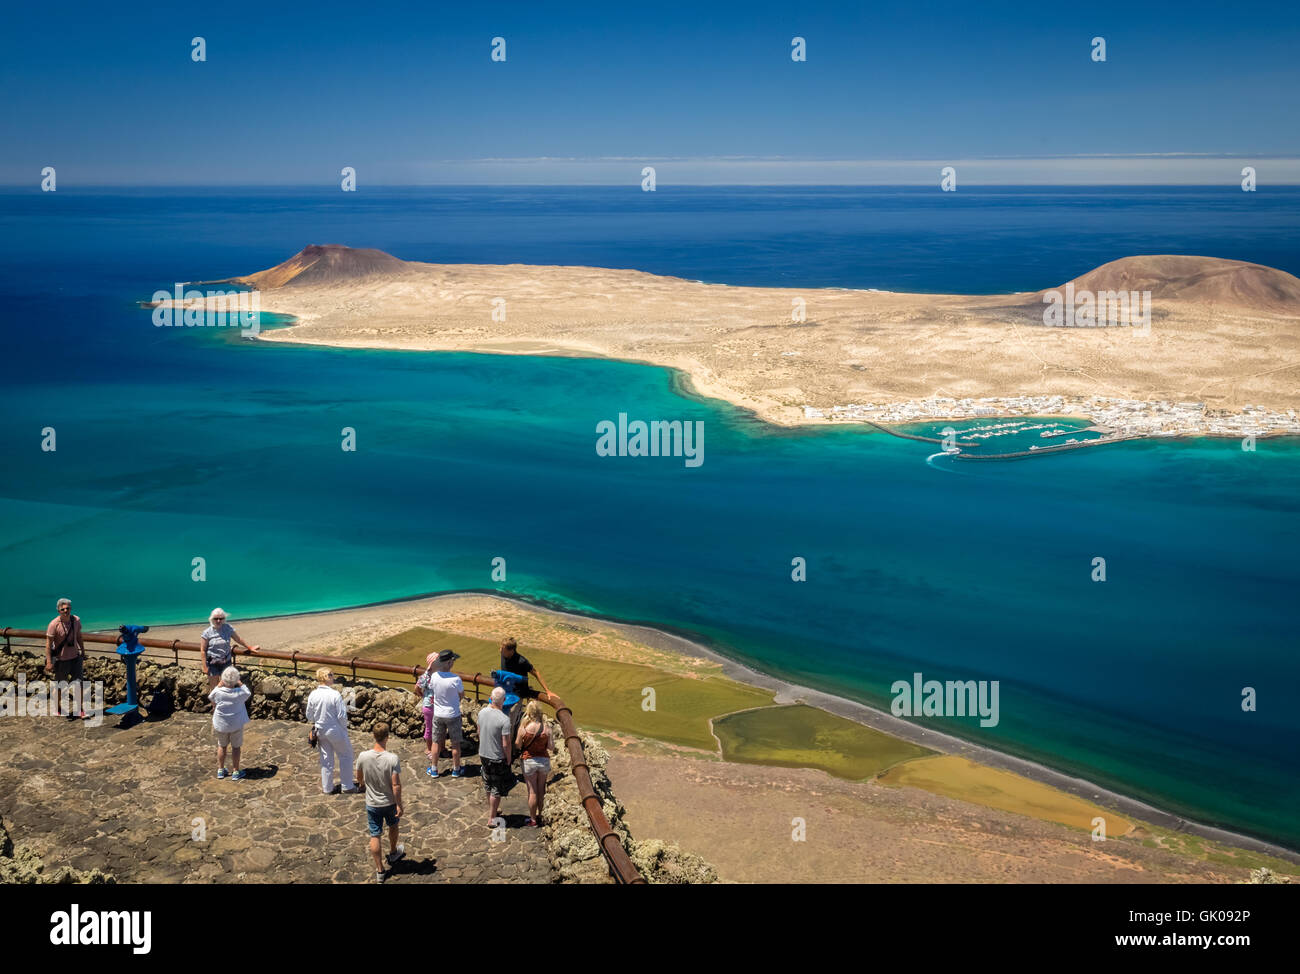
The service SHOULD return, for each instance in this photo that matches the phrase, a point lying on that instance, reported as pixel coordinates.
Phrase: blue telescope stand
(509, 682)
(129, 648)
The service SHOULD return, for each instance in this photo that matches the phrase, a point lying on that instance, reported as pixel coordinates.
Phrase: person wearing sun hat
(447, 692)
(424, 691)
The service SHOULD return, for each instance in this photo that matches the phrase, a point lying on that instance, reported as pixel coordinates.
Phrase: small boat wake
(948, 467)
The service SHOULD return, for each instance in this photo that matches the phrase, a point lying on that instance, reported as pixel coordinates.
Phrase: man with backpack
(65, 653)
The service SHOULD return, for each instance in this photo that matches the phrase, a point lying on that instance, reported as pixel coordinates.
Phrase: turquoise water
(176, 444)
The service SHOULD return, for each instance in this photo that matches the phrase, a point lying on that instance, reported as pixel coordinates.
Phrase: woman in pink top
(65, 653)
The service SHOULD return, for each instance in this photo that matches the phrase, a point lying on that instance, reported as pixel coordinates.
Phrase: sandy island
(1220, 355)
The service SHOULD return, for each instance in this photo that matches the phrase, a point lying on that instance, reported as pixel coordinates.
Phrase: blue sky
(706, 92)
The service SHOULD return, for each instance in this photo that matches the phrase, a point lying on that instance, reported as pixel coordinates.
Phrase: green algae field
(608, 695)
(800, 736)
(604, 694)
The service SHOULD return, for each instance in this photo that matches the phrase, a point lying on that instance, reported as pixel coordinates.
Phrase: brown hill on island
(1205, 280)
(1169, 277)
(325, 264)
(1222, 332)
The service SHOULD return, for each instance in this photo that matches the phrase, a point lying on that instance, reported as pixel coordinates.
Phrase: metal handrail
(620, 864)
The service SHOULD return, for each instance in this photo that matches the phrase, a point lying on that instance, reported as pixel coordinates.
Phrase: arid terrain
(744, 820)
(1223, 334)
(981, 825)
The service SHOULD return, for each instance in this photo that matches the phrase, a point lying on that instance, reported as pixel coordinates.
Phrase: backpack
(69, 639)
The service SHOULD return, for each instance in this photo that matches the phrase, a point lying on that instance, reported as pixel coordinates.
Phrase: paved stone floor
(144, 803)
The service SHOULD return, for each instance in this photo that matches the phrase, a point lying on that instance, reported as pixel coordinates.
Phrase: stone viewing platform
(144, 805)
(142, 802)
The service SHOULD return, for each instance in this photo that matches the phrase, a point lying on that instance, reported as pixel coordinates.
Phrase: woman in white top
(229, 715)
(329, 718)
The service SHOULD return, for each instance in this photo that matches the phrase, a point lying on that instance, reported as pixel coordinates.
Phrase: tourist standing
(448, 691)
(380, 771)
(229, 715)
(65, 653)
(535, 744)
(217, 645)
(494, 750)
(512, 661)
(424, 691)
(328, 715)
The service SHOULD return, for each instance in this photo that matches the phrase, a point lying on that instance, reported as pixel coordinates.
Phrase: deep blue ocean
(174, 444)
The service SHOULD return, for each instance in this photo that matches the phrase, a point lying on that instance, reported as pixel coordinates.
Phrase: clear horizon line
(878, 160)
(332, 186)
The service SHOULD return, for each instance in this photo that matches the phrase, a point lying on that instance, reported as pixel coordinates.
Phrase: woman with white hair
(329, 719)
(229, 715)
(217, 645)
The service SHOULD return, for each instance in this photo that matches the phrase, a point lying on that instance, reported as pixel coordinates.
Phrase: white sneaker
(397, 854)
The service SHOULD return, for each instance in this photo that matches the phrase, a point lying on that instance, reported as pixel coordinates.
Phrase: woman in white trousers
(329, 715)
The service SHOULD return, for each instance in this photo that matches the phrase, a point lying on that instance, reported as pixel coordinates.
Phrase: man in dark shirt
(512, 661)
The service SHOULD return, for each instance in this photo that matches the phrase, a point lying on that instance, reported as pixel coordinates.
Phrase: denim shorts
(377, 818)
(532, 765)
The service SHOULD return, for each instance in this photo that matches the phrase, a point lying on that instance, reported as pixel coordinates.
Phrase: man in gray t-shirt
(380, 771)
(494, 744)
